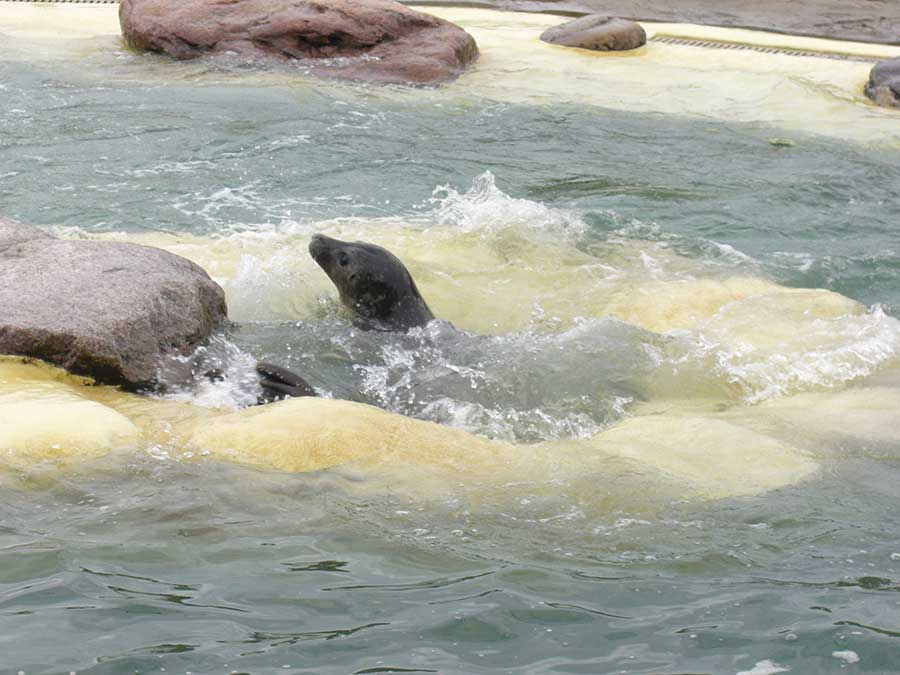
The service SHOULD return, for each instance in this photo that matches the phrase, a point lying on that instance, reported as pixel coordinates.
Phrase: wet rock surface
(12, 232)
(600, 33)
(883, 86)
(373, 40)
(108, 310)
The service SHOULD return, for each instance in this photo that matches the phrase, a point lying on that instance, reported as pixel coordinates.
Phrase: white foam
(766, 667)
(509, 424)
(235, 385)
(847, 656)
(485, 206)
(813, 353)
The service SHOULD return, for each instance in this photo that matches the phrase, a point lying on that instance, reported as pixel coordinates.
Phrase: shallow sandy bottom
(46, 415)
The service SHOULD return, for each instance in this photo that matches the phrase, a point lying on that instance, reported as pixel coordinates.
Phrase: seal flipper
(279, 383)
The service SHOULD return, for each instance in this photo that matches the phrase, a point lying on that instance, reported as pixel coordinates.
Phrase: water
(667, 383)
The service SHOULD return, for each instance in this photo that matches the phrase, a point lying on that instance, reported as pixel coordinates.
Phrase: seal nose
(320, 247)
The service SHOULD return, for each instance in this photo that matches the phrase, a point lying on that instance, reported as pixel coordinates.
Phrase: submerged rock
(108, 310)
(883, 86)
(600, 33)
(378, 40)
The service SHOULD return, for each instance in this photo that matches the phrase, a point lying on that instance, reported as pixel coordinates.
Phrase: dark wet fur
(373, 284)
(279, 383)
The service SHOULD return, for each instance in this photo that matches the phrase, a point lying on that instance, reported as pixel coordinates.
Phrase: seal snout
(321, 248)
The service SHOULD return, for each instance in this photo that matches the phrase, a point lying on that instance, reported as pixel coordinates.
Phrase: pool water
(668, 370)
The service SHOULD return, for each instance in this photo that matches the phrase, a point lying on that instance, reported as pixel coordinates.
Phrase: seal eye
(343, 259)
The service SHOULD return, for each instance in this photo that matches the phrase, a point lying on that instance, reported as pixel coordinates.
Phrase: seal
(279, 383)
(372, 283)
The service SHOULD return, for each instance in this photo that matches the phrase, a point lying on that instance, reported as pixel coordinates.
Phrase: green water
(145, 564)
(214, 569)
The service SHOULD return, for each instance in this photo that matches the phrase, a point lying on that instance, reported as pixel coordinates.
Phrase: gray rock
(600, 33)
(108, 310)
(883, 86)
(12, 232)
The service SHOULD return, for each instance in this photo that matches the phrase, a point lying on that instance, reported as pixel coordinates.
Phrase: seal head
(372, 283)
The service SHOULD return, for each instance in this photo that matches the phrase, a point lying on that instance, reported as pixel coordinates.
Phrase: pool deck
(876, 21)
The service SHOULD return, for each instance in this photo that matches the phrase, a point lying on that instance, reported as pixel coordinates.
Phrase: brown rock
(600, 33)
(377, 40)
(883, 86)
(108, 310)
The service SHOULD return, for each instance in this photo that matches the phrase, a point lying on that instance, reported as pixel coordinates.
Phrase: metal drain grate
(716, 44)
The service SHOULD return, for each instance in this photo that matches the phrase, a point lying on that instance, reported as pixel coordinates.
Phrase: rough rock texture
(12, 232)
(378, 40)
(600, 33)
(883, 86)
(108, 310)
(861, 20)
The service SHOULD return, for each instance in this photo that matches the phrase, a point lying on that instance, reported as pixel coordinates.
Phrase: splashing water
(484, 207)
(218, 374)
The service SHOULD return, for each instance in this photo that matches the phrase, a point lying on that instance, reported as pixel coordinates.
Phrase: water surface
(628, 287)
